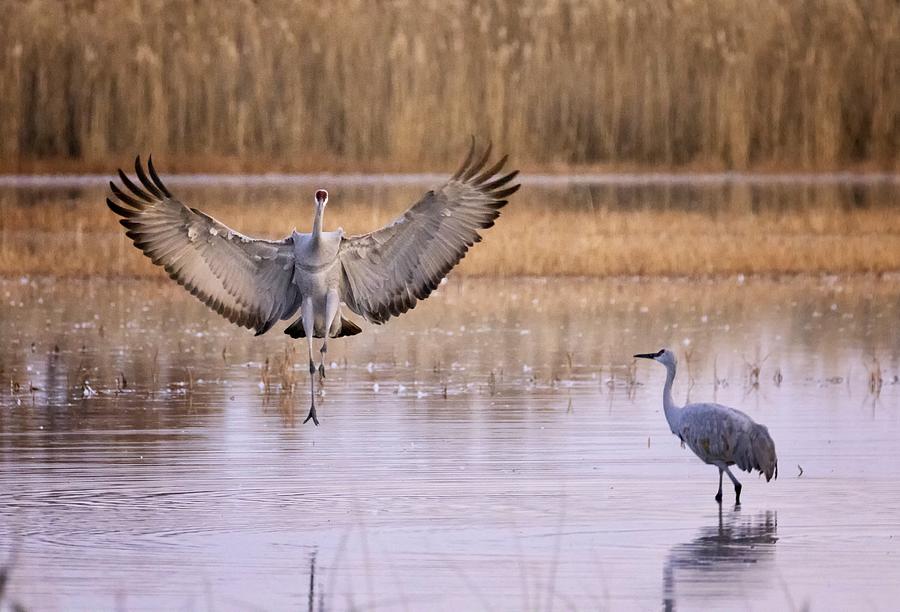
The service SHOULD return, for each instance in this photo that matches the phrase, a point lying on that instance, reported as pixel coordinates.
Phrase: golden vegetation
(542, 232)
(400, 84)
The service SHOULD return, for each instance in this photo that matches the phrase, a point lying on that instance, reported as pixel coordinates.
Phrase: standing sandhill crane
(255, 283)
(719, 435)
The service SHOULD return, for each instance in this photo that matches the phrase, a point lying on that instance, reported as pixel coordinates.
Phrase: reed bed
(537, 234)
(294, 85)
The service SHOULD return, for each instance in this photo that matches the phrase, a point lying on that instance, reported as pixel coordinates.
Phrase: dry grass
(534, 236)
(876, 380)
(399, 84)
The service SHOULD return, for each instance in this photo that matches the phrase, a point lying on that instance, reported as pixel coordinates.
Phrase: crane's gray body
(718, 435)
(317, 275)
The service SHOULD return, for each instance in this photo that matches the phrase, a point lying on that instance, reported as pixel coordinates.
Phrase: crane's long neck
(317, 222)
(673, 412)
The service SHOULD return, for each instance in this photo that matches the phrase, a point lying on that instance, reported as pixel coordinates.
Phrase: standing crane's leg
(309, 324)
(332, 304)
(719, 494)
(737, 487)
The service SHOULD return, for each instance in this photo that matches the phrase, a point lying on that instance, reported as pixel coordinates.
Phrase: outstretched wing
(385, 272)
(246, 280)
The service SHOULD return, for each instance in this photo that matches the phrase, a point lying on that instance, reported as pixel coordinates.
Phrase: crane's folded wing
(246, 280)
(385, 272)
(716, 432)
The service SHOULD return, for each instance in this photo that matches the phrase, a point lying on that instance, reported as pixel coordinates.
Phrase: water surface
(496, 448)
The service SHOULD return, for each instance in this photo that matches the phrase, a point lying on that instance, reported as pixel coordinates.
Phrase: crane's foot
(312, 393)
(312, 415)
(322, 370)
(719, 497)
(737, 494)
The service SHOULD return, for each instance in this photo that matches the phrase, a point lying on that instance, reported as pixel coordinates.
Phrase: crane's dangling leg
(737, 487)
(332, 305)
(309, 321)
(719, 494)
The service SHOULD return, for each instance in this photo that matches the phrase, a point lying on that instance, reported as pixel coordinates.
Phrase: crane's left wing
(384, 273)
(246, 280)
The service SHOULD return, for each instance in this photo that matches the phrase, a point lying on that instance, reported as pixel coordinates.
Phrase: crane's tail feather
(295, 329)
(348, 328)
(765, 459)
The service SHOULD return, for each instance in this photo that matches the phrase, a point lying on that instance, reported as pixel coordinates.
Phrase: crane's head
(321, 198)
(664, 356)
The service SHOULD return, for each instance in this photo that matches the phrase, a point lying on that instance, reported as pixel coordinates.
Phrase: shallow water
(710, 192)
(496, 448)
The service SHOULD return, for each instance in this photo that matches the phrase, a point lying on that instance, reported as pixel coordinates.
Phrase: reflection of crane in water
(719, 435)
(255, 283)
(719, 555)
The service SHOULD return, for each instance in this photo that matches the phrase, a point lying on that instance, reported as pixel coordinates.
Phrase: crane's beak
(651, 355)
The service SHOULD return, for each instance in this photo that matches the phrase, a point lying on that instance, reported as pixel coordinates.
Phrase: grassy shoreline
(532, 238)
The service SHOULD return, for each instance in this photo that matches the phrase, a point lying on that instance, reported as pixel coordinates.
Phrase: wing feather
(720, 433)
(155, 177)
(384, 273)
(248, 281)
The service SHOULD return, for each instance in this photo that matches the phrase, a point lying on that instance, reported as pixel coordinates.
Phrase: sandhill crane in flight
(255, 283)
(718, 435)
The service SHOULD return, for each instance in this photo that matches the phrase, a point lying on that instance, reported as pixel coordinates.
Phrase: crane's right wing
(386, 271)
(246, 280)
(721, 432)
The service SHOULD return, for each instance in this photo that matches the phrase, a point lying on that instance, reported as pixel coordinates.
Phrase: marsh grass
(778, 377)
(536, 235)
(362, 85)
(753, 368)
(876, 379)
